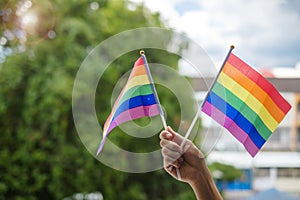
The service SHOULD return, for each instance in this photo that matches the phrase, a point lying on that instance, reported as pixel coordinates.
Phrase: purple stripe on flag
(250, 147)
(101, 146)
(231, 126)
(134, 113)
(225, 121)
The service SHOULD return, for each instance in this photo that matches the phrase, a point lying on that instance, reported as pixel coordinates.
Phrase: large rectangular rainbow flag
(137, 99)
(245, 103)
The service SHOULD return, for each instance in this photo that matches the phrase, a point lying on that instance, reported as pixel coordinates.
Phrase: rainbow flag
(137, 99)
(245, 103)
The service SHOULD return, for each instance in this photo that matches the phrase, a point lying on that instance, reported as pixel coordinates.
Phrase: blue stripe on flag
(142, 100)
(237, 117)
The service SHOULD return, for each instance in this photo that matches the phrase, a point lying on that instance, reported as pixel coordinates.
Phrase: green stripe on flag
(139, 90)
(243, 108)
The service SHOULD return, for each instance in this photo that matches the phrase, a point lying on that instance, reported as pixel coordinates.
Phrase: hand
(191, 163)
(188, 159)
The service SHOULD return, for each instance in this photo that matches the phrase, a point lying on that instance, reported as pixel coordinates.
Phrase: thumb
(177, 138)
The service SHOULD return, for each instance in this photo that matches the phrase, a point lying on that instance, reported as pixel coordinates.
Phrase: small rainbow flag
(137, 99)
(245, 103)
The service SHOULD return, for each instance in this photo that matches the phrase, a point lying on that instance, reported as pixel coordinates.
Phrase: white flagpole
(161, 112)
(162, 116)
(199, 110)
(206, 96)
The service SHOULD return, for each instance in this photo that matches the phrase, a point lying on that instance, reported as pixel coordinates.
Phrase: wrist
(204, 185)
(201, 177)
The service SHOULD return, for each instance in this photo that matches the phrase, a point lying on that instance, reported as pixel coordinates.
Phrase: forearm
(204, 186)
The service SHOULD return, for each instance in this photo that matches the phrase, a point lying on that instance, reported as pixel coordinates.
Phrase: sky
(265, 33)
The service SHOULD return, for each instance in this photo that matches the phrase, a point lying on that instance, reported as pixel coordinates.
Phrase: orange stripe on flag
(138, 71)
(255, 90)
(261, 81)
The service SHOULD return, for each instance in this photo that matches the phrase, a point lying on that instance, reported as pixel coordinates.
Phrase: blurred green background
(41, 155)
(42, 45)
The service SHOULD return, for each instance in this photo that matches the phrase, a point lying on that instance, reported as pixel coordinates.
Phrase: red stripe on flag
(139, 62)
(260, 81)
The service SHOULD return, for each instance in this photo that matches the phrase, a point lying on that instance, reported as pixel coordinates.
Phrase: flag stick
(202, 103)
(206, 96)
(161, 112)
(162, 115)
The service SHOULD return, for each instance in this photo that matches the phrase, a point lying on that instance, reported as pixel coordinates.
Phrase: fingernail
(168, 135)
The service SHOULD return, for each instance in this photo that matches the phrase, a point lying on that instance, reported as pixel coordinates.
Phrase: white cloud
(265, 33)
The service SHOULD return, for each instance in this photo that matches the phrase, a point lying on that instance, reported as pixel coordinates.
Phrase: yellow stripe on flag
(138, 80)
(255, 90)
(249, 99)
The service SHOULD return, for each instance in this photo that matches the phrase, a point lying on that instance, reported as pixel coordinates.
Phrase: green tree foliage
(224, 172)
(41, 155)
